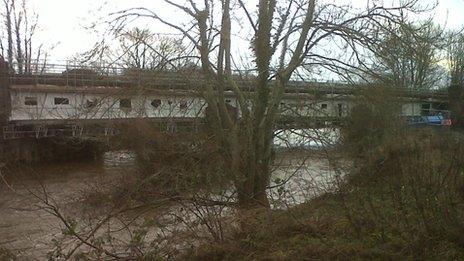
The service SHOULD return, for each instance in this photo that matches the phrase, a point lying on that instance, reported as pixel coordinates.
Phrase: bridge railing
(92, 76)
(49, 131)
(74, 74)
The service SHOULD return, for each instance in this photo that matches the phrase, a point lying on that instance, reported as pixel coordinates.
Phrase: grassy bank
(404, 199)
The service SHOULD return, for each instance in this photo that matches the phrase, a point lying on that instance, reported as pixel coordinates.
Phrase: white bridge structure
(64, 100)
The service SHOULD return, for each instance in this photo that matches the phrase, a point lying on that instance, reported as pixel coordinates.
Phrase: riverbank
(402, 200)
(399, 199)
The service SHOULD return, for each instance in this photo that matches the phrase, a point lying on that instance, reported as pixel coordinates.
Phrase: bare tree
(139, 48)
(21, 24)
(456, 58)
(287, 38)
(408, 55)
(456, 65)
(9, 9)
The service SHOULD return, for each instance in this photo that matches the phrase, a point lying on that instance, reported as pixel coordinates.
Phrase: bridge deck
(107, 82)
(192, 79)
(109, 127)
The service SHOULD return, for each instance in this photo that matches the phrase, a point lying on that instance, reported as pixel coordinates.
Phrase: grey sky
(63, 21)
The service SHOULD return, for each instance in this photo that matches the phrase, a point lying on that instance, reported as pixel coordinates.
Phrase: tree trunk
(9, 31)
(5, 100)
(456, 105)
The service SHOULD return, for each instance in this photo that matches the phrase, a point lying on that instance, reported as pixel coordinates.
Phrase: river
(25, 228)
(28, 230)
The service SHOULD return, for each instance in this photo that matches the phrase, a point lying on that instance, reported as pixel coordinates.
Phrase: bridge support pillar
(5, 100)
(39, 151)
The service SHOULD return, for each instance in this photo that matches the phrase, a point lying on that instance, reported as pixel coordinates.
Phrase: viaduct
(82, 103)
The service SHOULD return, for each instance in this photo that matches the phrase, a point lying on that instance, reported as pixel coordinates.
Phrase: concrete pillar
(5, 99)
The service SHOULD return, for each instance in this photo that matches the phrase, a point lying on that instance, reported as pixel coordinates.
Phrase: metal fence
(45, 131)
(76, 74)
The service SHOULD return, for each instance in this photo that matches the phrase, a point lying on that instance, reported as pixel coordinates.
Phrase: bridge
(73, 100)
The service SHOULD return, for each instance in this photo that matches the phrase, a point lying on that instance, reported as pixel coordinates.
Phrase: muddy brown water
(28, 231)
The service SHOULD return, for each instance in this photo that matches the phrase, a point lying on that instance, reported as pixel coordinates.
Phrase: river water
(28, 230)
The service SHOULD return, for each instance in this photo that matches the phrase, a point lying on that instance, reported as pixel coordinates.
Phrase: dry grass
(382, 213)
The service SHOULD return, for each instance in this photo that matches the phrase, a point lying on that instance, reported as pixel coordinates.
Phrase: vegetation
(287, 40)
(409, 56)
(18, 45)
(398, 192)
(403, 199)
(456, 63)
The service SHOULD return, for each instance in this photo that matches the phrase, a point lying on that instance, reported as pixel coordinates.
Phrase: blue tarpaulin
(425, 120)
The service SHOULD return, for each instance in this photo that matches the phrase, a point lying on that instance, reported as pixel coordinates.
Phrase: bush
(405, 189)
(403, 199)
(374, 118)
(409, 193)
(168, 165)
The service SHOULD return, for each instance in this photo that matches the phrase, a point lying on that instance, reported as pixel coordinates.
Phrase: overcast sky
(62, 21)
